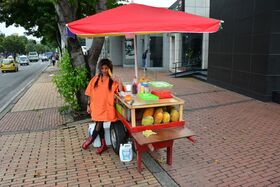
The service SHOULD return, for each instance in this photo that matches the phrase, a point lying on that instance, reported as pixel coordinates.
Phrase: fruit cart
(157, 20)
(130, 126)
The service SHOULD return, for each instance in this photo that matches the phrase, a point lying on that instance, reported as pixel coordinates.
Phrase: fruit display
(160, 115)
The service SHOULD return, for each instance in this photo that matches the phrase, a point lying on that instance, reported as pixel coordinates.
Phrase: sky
(14, 30)
(20, 30)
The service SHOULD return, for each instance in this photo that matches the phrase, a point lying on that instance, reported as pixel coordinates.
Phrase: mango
(148, 120)
(166, 117)
(148, 112)
(158, 118)
(174, 115)
(158, 110)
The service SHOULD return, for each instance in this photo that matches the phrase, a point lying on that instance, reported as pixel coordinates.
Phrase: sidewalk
(237, 142)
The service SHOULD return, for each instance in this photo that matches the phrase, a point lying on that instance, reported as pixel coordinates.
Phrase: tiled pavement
(237, 142)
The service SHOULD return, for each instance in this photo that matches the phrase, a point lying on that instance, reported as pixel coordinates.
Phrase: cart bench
(164, 138)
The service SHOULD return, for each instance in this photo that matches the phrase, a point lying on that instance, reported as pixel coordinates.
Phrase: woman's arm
(120, 84)
(88, 106)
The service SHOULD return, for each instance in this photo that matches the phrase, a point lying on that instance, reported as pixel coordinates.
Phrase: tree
(14, 44)
(2, 37)
(50, 18)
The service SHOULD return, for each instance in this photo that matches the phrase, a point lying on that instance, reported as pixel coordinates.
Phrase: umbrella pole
(135, 56)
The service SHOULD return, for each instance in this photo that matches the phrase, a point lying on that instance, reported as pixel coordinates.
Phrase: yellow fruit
(166, 117)
(148, 112)
(174, 115)
(158, 118)
(157, 110)
(148, 120)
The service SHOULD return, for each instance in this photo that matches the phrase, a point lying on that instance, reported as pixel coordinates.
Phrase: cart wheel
(118, 135)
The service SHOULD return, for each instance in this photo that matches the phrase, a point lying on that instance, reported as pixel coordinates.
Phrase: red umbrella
(134, 19)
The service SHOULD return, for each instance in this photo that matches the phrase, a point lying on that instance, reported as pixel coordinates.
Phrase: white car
(23, 60)
(33, 56)
(44, 58)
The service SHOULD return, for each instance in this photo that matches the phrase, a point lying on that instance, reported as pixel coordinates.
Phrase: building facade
(245, 55)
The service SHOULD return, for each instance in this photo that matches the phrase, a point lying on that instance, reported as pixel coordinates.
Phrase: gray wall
(245, 55)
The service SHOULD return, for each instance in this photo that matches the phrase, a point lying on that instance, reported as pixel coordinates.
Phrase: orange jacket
(102, 100)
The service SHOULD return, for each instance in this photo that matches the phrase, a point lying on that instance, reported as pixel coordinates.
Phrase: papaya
(166, 117)
(148, 120)
(148, 112)
(158, 118)
(157, 110)
(174, 115)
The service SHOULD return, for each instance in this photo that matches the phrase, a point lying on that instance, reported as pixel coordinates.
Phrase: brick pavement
(55, 157)
(238, 145)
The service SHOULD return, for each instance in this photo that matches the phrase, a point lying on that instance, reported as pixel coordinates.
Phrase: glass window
(129, 49)
(192, 49)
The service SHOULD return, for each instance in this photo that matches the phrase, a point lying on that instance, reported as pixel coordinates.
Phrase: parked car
(23, 60)
(33, 56)
(9, 64)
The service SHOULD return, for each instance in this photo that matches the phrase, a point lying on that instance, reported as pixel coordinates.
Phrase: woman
(101, 90)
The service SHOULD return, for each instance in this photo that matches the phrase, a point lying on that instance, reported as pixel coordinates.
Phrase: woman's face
(104, 70)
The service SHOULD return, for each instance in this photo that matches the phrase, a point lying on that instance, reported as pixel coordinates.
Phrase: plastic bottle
(125, 152)
(142, 88)
(146, 87)
(134, 86)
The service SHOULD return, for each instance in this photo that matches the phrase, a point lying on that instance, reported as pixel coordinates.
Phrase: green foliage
(70, 80)
(14, 44)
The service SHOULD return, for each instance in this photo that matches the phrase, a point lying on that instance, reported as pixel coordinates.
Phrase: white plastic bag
(97, 142)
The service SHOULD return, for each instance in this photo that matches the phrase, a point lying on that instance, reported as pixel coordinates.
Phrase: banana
(110, 73)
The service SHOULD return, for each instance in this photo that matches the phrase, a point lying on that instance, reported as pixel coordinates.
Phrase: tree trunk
(94, 53)
(97, 43)
(66, 13)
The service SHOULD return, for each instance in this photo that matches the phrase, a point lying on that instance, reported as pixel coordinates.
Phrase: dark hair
(108, 63)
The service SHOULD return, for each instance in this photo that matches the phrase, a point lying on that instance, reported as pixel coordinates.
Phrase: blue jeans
(144, 65)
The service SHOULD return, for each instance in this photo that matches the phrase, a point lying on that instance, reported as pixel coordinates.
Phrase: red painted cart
(129, 126)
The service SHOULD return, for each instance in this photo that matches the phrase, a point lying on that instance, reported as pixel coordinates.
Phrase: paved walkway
(237, 142)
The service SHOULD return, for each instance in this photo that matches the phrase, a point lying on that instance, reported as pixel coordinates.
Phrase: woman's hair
(109, 64)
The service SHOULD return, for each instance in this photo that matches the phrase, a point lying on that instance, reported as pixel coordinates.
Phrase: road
(13, 83)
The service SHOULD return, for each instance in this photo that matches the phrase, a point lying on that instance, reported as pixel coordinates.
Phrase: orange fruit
(127, 98)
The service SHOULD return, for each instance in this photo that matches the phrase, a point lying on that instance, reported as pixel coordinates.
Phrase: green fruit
(148, 120)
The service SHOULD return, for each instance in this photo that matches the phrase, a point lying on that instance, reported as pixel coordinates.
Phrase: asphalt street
(13, 83)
